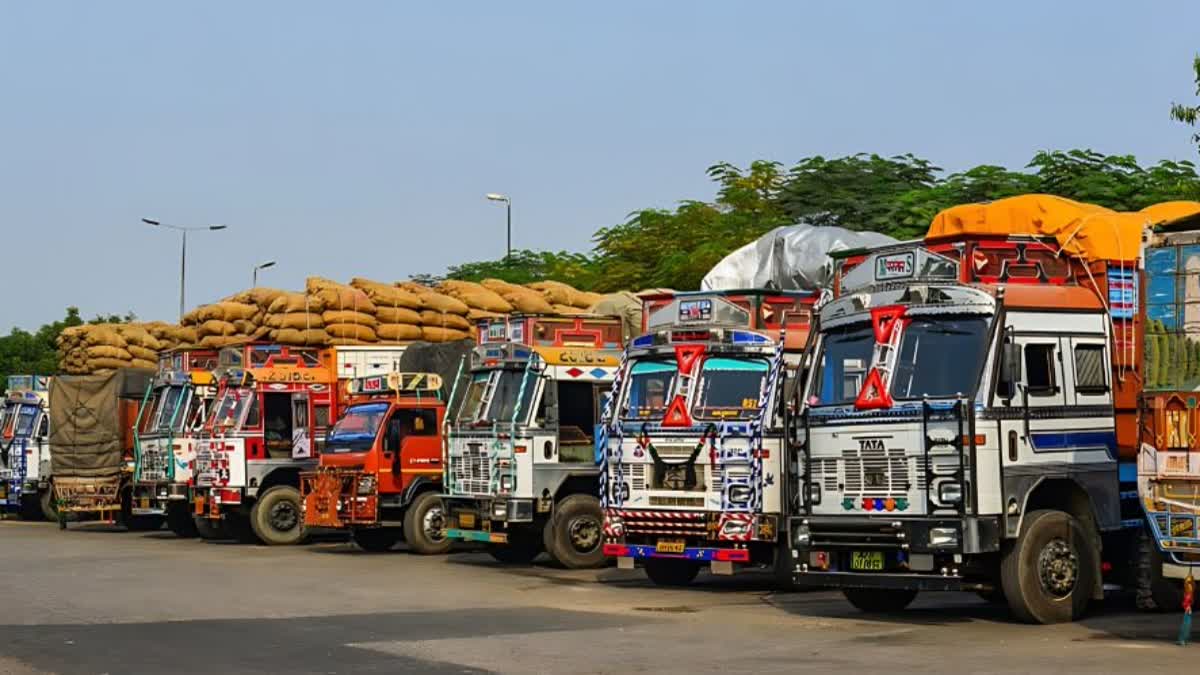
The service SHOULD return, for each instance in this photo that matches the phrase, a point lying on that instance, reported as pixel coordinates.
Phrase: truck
(520, 472)
(274, 406)
(694, 459)
(25, 448)
(380, 474)
(91, 445)
(974, 413)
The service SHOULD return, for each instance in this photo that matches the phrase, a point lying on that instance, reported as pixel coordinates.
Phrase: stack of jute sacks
(95, 348)
(236, 319)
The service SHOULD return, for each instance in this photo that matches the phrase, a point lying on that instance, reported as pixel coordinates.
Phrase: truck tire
(524, 544)
(671, 571)
(1155, 593)
(575, 536)
(879, 600)
(179, 520)
(209, 530)
(49, 504)
(1048, 573)
(31, 508)
(782, 567)
(237, 526)
(277, 517)
(376, 539)
(425, 525)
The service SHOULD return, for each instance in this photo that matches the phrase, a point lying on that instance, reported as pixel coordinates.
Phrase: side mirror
(1010, 371)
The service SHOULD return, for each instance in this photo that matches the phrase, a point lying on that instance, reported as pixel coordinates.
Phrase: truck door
(411, 448)
(301, 427)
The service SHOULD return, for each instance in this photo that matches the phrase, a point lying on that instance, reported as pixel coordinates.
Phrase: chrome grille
(943, 466)
(876, 472)
(634, 474)
(825, 473)
(471, 471)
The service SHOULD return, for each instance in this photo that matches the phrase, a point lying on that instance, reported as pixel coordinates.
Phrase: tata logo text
(895, 266)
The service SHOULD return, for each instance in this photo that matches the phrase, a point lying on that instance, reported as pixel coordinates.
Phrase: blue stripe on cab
(1073, 440)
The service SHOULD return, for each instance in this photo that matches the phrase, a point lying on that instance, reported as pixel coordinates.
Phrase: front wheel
(1155, 593)
(49, 504)
(1049, 572)
(671, 571)
(179, 520)
(31, 509)
(277, 518)
(208, 529)
(425, 525)
(879, 600)
(522, 547)
(575, 533)
(376, 539)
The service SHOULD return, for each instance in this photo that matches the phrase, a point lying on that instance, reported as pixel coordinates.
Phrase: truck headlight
(943, 537)
(814, 493)
(801, 536)
(950, 493)
(739, 494)
(366, 485)
(499, 510)
(506, 483)
(735, 527)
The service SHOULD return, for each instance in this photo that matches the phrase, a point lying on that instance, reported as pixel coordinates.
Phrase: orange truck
(380, 474)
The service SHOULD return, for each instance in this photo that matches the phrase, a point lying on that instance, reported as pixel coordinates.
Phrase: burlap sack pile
(397, 311)
(565, 299)
(523, 300)
(170, 335)
(95, 348)
(228, 322)
(443, 317)
(297, 319)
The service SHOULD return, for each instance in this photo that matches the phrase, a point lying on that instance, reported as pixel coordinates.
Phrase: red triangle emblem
(883, 321)
(677, 414)
(874, 394)
(686, 357)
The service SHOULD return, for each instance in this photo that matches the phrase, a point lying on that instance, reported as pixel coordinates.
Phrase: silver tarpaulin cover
(794, 257)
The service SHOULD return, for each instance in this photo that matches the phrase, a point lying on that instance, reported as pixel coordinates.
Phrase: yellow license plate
(669, 546)
(866, 562)
(466, 520)
(145, 502)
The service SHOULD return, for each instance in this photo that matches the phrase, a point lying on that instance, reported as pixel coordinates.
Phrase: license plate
(466, 520)
(866, 562)
(669, 546)
(145, 502)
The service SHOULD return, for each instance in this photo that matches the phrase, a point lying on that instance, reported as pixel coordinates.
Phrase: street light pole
(261, 266)
(492, 196)
(182, 253)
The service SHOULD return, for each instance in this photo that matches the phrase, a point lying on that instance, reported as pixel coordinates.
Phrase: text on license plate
(669, 546)
(867, 562)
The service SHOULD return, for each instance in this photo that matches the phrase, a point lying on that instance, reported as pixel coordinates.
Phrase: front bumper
(152, 498)
(212, 503)
(340, 498)
(701, 536)
(486, 519)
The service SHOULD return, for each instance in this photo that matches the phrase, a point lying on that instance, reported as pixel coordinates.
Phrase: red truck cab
(380, 474)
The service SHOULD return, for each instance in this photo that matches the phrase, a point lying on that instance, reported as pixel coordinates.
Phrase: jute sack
(143, 363)
(142, 353)
(477, 314)
(259, 296)
(443, 320)
(94, 365)
(226, 311)
(245, 327)
(298, 320)
(315, 337)
(339, 296)
(351, 331)
(102, 334)
(386, 295)
(219, 341)
(214, 327)
(108, 352)
(568, 310)
(524, 300)
(440, 302)
(287, 303)
(397, 315)
(347, 316)
(398, 332)
(435, 334)
(475, 296)
(136, 334)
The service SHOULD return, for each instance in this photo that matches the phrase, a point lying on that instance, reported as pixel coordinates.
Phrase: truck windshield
(357, 429)
(469, 409)
(26, 415)
(940, 356)
(845, 355)
(649, 388)
(228, 411)
(504, 401)
(729, 388)
(170, 413)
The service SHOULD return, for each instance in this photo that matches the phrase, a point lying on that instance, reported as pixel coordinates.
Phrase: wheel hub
(584, 534)
(434, 524)
(283, 516)
(1058, 568)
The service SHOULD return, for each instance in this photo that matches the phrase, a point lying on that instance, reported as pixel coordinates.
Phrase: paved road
(99, 600)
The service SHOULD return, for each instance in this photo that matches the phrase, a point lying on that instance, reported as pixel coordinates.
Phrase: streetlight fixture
(496, 197)
(261, 266)
(183, 251)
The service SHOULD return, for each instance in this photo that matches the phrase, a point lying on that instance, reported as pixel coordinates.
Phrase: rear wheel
(425, 525)
(376, 539)
(179, 519)
(524, 544)
(671, 571)
(1048, 573)
(48, 503)
(31, 509)
(208, 529)
(575, 533)
(879, 600)
(277, 518)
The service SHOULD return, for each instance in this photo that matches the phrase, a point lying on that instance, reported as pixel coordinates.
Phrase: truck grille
(208, 468)
(154, 465)
(471, 471)
(876, 472)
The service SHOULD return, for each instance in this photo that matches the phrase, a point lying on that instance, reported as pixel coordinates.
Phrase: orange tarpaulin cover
(1085, 230)
(1168, 211)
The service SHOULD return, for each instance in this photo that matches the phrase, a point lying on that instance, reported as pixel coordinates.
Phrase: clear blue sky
(359, 138)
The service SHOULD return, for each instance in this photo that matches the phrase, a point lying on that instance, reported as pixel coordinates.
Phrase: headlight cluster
(366, 485)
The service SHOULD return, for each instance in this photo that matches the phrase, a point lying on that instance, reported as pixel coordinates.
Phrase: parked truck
(974, 410)
(172, 412)
(380, 474)
(25, 448)
(91, 445)
(693, 462)
(274, 406)
(521, 474)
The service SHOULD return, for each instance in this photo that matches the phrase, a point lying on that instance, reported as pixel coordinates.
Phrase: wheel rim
(433, 524)
(1058, 568)
(584, 534)
(284, 516)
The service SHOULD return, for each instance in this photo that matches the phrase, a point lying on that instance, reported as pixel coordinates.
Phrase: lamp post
(261, 266)
(492, 196)
(183, 251)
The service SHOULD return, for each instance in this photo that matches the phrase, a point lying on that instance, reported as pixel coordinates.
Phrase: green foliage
(1189, 115)
(1113, 181)
(22, 352)
(525, 266)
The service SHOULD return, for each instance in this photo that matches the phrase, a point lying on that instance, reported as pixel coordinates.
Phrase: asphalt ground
(97, 599)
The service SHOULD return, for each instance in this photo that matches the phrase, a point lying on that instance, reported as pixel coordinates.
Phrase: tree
(22, 352)
(1113, 181)
(1189, 115)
